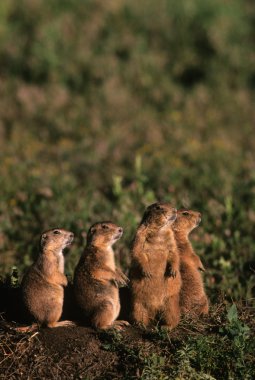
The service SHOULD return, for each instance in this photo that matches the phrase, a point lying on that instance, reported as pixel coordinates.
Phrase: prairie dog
(96, 278)
(154, 275)
(193, 299)
(43, 284)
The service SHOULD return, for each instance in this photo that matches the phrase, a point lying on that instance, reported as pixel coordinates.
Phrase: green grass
(109, 106)
(218, 348)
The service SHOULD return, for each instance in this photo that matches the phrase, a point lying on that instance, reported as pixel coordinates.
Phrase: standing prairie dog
(154, 275)
(43, 284)
(96, 277)
(193, 299)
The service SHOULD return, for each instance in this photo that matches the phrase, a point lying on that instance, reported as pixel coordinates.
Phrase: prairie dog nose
(120, 230)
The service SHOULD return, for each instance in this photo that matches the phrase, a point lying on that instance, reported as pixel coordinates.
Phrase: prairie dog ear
(43, 239)
(92, 230)
(201, 267)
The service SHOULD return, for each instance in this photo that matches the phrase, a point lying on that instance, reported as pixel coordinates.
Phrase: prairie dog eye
(186, 213)
(105, 227)
(56, 232)
(158, 207)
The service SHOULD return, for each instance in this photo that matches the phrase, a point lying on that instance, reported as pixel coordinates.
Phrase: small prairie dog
(96, 278)
(193, 299)
(42, 286)
(154, 275)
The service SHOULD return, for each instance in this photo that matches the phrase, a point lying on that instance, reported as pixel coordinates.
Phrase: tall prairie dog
(193, 299)
(43, 284)
(96, 277)
(154, 275)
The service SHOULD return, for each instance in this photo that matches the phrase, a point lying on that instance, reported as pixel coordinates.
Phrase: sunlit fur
(154, 274)
(96, 277)
(42, 285)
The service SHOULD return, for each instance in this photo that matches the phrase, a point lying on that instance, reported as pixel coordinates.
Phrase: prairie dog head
(159, 214)
(104, 234)
(186, 221)
(56, 240)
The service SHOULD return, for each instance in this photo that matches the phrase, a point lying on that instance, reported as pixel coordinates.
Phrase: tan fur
(96, 277)
(193, 299)
(154, 275)
(42, 285)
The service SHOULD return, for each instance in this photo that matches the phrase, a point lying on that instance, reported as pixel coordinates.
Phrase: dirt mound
(191, 351)
(68, 352)
(77, 351)
(64, 352)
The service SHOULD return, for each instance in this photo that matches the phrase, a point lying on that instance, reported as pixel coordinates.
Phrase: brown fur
(193, 299)
(42, 285)
(154, 274)
(96, 278)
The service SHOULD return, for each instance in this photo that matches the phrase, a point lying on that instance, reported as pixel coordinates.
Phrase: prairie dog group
(43, 284)
(96, 278)
(165, 278)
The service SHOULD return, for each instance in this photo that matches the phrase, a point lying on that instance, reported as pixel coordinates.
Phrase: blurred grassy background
(109, 105)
